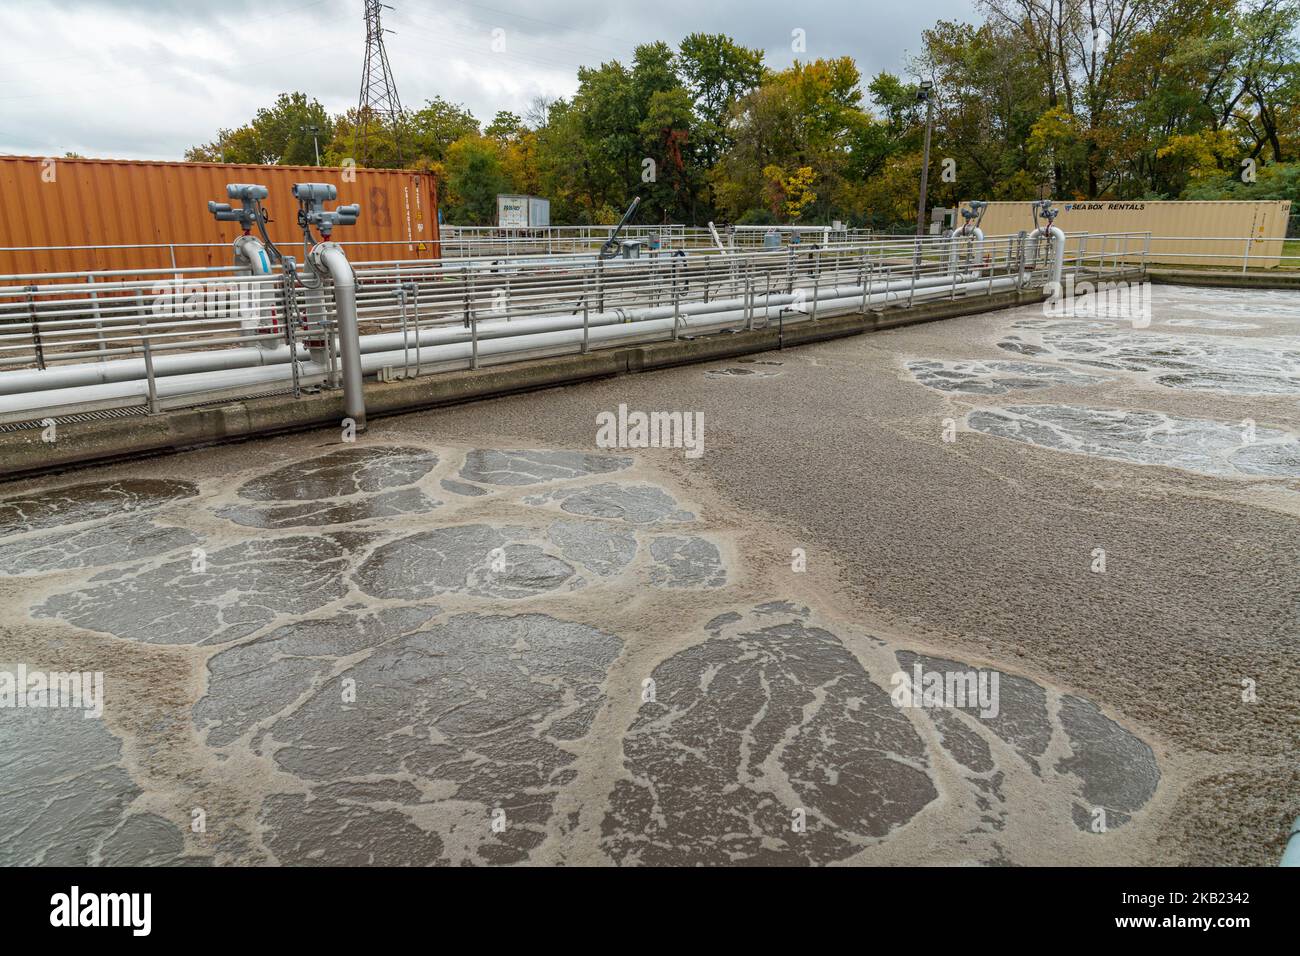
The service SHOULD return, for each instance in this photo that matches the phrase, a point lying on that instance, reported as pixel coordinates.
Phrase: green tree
(475, 177)
(280, 134)
(807, 117)
(505, 126)
(717, 72)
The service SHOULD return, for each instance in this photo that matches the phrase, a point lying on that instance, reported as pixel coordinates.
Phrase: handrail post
(406, 340)
(148, 355)
(586, 327)
(817, 272)
(94, 304)
(415, 310)
(866, 281)
(749, 304)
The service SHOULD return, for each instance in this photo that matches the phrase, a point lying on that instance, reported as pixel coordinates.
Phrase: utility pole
(923, 96)
(378, 98)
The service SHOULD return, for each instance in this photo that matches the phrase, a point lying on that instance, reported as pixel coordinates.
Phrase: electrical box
(523, 212)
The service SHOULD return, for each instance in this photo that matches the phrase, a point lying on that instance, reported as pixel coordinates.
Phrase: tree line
(1072, 99)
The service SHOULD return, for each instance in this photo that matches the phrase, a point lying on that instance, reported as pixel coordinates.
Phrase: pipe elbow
(250, 252)
(330, 257)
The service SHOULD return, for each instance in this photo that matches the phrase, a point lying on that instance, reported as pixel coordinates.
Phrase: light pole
(314, 130)
(923, 96)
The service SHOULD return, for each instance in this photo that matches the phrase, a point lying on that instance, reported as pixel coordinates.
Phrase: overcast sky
(144, 79)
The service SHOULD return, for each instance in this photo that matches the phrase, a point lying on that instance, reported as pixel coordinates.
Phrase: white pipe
(128, 370)
(1057, 269)
(125, 370)
(1058, 255)
(251, 259)
(329, 257)
(649, 322)
(976, 237)
(717, 240)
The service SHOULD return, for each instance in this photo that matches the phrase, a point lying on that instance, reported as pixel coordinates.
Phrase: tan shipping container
(1212, 233)
(96, 202)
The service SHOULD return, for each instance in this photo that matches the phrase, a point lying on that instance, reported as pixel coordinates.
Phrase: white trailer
(523, 212)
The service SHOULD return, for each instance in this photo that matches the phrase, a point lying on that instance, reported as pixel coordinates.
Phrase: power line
(575, 47)
(550, 23)
(440, 39)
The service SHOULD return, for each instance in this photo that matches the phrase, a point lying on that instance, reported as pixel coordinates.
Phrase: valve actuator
(250, 196)
(312, 212)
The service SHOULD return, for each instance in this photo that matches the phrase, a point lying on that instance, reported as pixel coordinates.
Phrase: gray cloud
(147, 78)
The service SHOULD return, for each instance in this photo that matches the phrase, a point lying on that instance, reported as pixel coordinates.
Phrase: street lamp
(923, 96)
(314, 130)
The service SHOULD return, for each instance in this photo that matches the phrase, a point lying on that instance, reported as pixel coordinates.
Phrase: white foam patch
(995, 378)
(1239, 366)
(1208, 447)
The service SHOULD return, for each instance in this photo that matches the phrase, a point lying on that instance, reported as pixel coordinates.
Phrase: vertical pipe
(330, 256)
(1058, 256)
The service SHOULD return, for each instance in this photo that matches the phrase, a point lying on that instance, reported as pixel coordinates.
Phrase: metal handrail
(108, 317)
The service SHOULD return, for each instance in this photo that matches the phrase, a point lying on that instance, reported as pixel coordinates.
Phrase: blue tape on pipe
(266, 266)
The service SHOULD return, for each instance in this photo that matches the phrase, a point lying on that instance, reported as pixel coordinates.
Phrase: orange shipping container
(107, 202)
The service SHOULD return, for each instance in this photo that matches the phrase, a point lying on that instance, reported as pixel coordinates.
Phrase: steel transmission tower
(378, 99)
